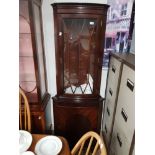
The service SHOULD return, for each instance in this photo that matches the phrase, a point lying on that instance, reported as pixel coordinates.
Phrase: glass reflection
(79, 51)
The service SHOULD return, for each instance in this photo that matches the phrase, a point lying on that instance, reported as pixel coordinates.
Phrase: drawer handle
(110, 91)
(119, 140)
(105, 129)
(108, 111)
(130, 84)
(125, 116)
(113, 68)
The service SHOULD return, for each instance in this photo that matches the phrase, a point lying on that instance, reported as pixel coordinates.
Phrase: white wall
(48, 29)
(103, 82)
(103, 87)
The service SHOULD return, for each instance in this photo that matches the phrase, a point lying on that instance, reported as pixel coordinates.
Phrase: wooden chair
(24, 112)
(97, 149)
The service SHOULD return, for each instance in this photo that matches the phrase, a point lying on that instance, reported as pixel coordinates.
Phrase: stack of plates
(25, 140)
(49, 145)
(27, 153)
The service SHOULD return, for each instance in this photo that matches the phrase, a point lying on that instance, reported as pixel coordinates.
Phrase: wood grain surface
(65, 147)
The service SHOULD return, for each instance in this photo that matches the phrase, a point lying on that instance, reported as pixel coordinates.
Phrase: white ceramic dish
(49, 145)
(25, 140)
(27, 153)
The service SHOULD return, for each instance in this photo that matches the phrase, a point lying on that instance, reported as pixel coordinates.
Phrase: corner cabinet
(32, 73)
(79, 43)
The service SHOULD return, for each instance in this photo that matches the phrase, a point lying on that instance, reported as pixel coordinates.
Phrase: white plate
(49, 145)
(27, 153)
(25, 140)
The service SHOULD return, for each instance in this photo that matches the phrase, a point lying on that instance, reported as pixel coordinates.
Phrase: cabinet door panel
(38, 122)
(79, 49)
(73, 122)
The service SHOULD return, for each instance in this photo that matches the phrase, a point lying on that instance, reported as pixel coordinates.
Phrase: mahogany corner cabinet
(79, 45)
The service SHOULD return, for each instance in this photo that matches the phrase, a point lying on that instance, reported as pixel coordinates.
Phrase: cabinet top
(126, 58)
(80, 8)
(80, 4)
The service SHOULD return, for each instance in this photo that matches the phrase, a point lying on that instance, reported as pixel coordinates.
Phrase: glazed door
(39, 48)
(78, 53)
(27, 71)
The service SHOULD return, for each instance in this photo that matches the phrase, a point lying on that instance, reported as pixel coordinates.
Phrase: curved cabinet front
(73, 120)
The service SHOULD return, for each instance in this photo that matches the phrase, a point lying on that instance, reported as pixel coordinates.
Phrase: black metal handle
(130, 84)
(110, 91)
(113, 68)
(119, 140)
(105, 129)
(108, 111)
(125, 116)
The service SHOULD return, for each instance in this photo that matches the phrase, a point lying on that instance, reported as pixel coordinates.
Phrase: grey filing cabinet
(111, 93)
(118, 123)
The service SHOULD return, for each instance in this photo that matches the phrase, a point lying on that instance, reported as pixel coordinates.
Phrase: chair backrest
(24, 112)
(97, 149)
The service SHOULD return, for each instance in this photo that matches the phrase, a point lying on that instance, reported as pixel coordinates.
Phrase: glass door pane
(79, 55)
(39, 43)
(27, 78)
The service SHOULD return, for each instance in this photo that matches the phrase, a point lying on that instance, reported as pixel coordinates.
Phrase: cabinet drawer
(109, 111)
(114, 70)
(112, 84)
(108, 115)
(107, 133)
(125, 112)
(119, 143)
(107, 123)
(109, 104)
